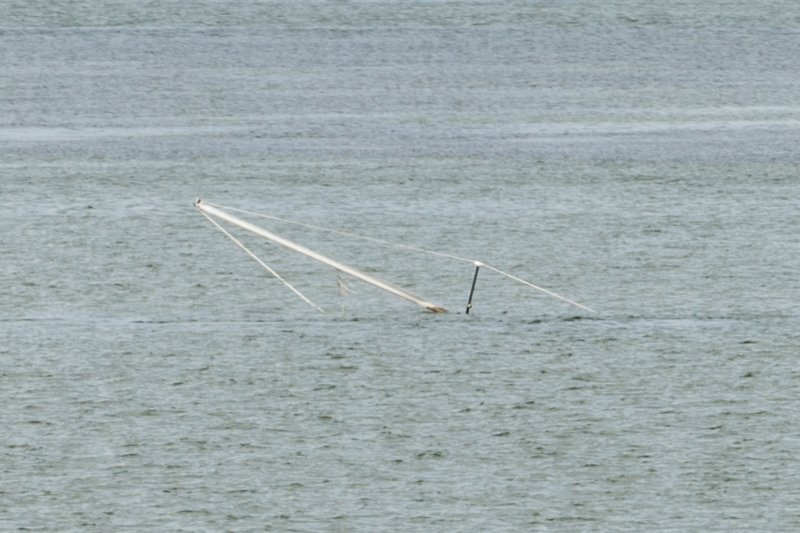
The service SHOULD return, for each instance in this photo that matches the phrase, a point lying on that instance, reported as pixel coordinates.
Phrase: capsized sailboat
(214, 213)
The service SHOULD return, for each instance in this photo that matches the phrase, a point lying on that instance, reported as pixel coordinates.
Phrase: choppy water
(637, 157)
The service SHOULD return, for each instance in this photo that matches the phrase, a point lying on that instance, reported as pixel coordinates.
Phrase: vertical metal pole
(472, 290)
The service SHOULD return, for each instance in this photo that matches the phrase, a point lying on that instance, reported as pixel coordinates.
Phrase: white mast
(213, 211)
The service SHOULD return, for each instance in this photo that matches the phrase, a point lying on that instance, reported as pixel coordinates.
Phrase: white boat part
(402, 293)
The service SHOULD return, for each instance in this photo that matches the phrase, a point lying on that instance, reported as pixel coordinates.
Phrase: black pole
(472, 290)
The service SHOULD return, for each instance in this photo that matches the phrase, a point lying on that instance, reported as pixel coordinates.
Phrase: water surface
(640, 159)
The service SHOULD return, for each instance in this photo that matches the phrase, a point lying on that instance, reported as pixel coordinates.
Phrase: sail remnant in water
(212, 211)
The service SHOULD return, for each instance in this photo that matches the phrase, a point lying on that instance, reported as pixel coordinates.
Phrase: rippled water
(639, 158)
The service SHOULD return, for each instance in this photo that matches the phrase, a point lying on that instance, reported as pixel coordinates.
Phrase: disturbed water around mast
(640, 159)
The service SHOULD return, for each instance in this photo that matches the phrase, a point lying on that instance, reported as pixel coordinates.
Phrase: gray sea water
(638, 157)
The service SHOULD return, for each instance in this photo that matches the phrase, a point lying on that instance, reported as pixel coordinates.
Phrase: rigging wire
(407, 247)
(343, 233)
(262, 263)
